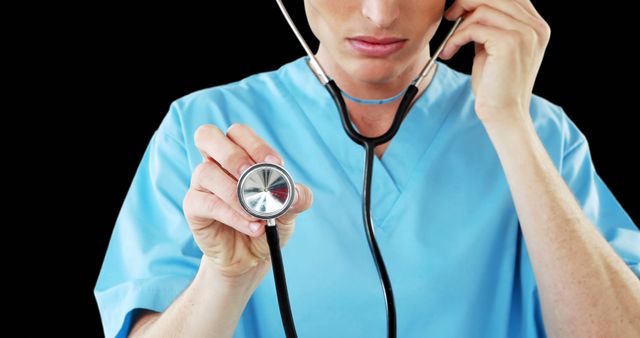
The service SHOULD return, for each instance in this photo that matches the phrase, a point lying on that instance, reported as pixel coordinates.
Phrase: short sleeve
(152, 256)
(596, 200)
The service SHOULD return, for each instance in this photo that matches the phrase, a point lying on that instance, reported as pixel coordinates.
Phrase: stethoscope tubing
(369, 144)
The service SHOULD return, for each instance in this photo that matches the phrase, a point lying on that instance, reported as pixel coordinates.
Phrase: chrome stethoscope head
(266, 191)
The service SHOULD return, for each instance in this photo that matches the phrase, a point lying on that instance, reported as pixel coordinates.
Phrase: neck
(372, 120)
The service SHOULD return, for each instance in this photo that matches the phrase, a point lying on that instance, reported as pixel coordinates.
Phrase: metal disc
(266, 190)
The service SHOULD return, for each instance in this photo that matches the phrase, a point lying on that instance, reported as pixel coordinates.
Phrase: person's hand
(510, 39)
(229, 237)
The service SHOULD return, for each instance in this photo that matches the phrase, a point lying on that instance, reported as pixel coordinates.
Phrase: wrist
(245, 284)
(509, 128)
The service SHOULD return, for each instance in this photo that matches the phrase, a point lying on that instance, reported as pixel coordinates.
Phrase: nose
(383, 13)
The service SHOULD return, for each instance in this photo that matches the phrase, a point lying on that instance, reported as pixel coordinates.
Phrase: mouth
(376, 46)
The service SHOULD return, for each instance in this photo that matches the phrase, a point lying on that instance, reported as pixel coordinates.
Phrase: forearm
(585, 288)
(210, 307)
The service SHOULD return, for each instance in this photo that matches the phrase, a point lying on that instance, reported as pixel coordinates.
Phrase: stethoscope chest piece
(266, 191)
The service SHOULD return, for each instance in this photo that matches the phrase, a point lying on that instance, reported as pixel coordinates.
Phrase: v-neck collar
(404, 152)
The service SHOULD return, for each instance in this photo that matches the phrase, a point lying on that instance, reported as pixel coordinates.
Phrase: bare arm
(235, 250)
(210, 307)
(585, 289)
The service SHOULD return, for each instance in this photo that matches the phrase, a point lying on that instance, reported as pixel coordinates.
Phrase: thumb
(302, 201)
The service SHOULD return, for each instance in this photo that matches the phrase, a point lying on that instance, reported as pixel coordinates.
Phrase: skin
(585, 289)
(235, 255)
(367, 77)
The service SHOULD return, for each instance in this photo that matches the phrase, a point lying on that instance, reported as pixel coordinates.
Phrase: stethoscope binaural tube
(369, 144)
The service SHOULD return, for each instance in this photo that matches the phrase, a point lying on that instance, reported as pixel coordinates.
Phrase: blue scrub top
(444, 217)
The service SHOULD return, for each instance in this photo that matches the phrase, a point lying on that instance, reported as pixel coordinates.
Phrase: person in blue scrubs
(490, 215)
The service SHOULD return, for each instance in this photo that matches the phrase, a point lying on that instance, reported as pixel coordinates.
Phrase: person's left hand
(510, 39)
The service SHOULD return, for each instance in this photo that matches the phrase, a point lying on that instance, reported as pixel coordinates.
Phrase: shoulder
(543, 112)
(255, 100)
(559, 134)
(251, 88)
(224, 104)
(554, 127)
(453, 77)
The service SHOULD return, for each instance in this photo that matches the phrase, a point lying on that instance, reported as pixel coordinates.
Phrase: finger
(486, 35)
(201, 208)
(528, 6)
(286, 223)
(488, 16)
(209, 177)
(539, 24)
(460, 7)
(254, 145)
(302, 201)
(212, 141)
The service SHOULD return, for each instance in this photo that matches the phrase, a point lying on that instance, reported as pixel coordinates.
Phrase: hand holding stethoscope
(220, 225)
(266, 191)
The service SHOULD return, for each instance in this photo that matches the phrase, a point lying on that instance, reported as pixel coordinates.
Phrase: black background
(129, 64)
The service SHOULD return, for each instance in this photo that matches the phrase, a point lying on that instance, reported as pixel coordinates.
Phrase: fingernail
(272, 159)
(254, 227)
(296, 196)
(243, 168)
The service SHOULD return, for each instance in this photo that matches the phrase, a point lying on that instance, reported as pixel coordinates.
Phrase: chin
(374, 70)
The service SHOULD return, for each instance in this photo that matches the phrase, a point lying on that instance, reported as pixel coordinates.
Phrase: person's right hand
(234, 241)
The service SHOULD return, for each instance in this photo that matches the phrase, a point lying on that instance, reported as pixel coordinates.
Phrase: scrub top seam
(421, 159)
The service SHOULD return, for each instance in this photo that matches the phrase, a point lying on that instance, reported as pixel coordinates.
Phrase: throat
(381, 149)
(375, 120)
(373, 124)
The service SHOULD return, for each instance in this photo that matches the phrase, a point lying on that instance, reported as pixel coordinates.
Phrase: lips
(376, 46)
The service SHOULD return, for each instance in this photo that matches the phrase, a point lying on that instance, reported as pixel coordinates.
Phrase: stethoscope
(266, 190)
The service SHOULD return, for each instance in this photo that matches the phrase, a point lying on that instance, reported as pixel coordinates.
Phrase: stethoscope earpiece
(266, 191)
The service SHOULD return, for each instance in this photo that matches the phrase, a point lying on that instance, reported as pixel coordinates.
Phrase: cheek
(424, 25)
(327, 18)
